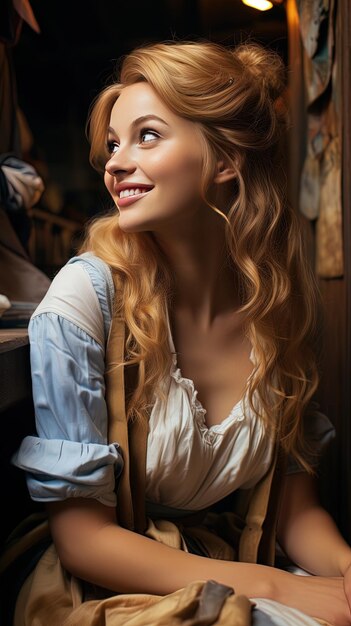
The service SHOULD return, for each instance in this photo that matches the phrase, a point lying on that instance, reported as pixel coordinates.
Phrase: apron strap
(257, 541)
(132, 438)
(117, 422)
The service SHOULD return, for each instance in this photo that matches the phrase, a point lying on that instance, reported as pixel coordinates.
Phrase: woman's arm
(309, 535)
(307, 532)
(92, 546)
(70, 455)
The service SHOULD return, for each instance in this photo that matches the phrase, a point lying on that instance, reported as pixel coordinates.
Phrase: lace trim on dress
(188, 385)
(237, 413)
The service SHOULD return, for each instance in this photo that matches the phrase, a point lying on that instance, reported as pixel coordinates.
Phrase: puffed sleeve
(319, 432)
(70, 455)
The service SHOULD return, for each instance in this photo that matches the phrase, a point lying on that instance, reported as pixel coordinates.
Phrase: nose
(119, 163)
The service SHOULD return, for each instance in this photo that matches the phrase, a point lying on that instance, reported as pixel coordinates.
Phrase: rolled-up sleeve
(70, 455)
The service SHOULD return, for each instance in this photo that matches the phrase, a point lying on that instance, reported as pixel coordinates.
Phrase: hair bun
(263, 65)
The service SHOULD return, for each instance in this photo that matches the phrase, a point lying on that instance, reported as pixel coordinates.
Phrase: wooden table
(17, 421)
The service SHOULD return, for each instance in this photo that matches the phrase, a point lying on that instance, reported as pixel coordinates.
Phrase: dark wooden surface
(17, 421)
(344, 26)
(334, 395)
(11, 338)
(335, 388)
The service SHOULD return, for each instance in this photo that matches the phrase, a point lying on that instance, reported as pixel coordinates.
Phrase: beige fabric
(175, 536)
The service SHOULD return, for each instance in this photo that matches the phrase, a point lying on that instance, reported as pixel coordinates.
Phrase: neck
(204, 278)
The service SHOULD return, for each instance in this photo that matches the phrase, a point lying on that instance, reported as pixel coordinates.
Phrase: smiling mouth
(127, 193)
(129, 196)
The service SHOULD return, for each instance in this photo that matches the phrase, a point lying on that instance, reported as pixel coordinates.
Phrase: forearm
(93, 547)
(141, 565)
(314, 542)
(100, 551)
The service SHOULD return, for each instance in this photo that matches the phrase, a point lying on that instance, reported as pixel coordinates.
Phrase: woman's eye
(112, 147)
(147, 135)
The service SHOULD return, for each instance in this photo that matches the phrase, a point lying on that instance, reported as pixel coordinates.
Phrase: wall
(334, 393)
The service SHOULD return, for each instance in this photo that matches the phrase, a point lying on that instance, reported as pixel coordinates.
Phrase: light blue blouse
(70, 456)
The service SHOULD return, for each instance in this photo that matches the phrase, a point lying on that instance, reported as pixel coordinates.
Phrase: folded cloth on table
(20, 184)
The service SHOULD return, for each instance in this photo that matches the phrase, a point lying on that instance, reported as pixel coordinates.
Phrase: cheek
(176, 168)
(187, 176)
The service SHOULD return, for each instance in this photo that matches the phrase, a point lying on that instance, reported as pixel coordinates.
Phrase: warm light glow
(261, 5)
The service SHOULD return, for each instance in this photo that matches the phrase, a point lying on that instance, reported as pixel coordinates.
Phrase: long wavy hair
(235, 97)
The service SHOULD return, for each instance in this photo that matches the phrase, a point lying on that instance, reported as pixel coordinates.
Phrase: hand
(320, 597)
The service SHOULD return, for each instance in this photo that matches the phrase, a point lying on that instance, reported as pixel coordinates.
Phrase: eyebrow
(140, 120)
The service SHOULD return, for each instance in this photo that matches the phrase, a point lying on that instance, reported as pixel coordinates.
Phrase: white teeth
(125, 193)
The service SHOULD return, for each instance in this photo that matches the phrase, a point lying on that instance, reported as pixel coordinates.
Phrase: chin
(133, 226)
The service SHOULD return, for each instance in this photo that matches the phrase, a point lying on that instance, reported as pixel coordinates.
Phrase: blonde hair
(235, 98)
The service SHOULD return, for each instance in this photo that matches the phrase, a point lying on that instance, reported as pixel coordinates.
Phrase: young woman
(220, 309)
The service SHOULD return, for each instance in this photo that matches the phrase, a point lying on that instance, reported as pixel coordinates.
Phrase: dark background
(61, 70)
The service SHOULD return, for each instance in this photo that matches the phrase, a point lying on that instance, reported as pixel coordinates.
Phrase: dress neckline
(201, 412)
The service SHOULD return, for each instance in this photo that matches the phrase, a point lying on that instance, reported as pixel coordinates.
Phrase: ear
(225, 172)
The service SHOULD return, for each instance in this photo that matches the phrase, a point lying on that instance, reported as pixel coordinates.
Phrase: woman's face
(154, 172)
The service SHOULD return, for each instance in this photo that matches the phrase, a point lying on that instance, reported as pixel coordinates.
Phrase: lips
(122, 202)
